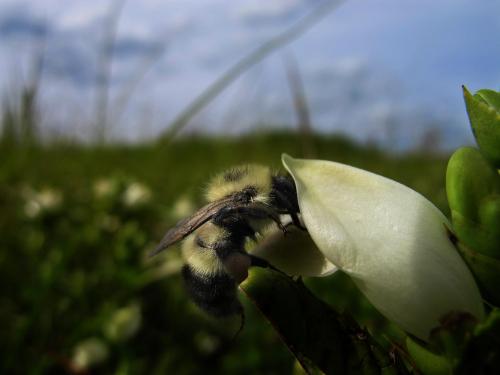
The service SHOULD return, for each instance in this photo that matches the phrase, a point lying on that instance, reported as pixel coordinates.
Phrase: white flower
(105, 187)
(89, 352)
(44, 200)
(391, 241)
(206, 343)
(49, 198)
(183, 207)
(295, 253)
(32, 209)
(136, 194)
(124, 323)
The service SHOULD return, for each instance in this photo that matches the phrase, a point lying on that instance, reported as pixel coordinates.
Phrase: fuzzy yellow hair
(237, 179)
(209, 233)
(202, 260)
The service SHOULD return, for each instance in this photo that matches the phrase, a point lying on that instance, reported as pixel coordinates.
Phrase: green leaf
(460, 346)
(487, 272)
(482, 351)
(490, 97)
(473, 189)
(484, 115)
(428, 362)
(319, 337)
(454, 331)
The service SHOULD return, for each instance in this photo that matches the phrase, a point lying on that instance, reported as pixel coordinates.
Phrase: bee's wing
(188, 225)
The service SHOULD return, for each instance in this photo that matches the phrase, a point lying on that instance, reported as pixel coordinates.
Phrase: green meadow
(78, 292)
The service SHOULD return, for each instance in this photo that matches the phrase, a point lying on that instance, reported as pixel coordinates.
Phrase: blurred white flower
(391, 241)
(46, 199)
(32, 209)
(136, 194)
(124, 323)
(105, 187)
(206, 343)
(168, 264)
(49, 198)
(183, 207)
(89, 352)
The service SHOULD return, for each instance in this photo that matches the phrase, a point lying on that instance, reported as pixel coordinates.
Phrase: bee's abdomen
(216, 294)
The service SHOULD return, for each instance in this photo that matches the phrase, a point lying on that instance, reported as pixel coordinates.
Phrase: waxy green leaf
(484, 114)
(428, 362)
(473, 189)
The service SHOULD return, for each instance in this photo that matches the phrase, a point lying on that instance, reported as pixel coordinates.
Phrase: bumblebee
(241, 202)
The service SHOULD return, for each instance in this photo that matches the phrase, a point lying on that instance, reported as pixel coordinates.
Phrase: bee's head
(246, 195)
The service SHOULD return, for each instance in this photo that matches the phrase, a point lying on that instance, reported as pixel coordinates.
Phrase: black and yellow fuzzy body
(241, 202)
(210, 275)
(258, 184)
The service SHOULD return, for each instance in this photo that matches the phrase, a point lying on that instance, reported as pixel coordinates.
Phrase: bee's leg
(296, 221)
(243, 228)
(234, 221)
(229, 215)
(262, 263)
(242, 324)
(289, 208)
(278, 222)
(259, 262)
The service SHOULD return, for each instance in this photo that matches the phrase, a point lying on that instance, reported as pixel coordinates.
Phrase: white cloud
(363, 57)
(82, 15)
(255, 11)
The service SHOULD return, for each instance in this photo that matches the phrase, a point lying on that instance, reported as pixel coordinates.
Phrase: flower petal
(390, 239)
(294, 253)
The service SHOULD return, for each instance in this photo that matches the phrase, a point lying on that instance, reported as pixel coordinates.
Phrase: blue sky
(382, 70)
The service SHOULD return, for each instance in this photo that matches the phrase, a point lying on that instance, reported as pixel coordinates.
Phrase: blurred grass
(77, 220)
(188, 163)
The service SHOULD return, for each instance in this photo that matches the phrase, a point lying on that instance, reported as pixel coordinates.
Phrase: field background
(75, 226)
(114, 115)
